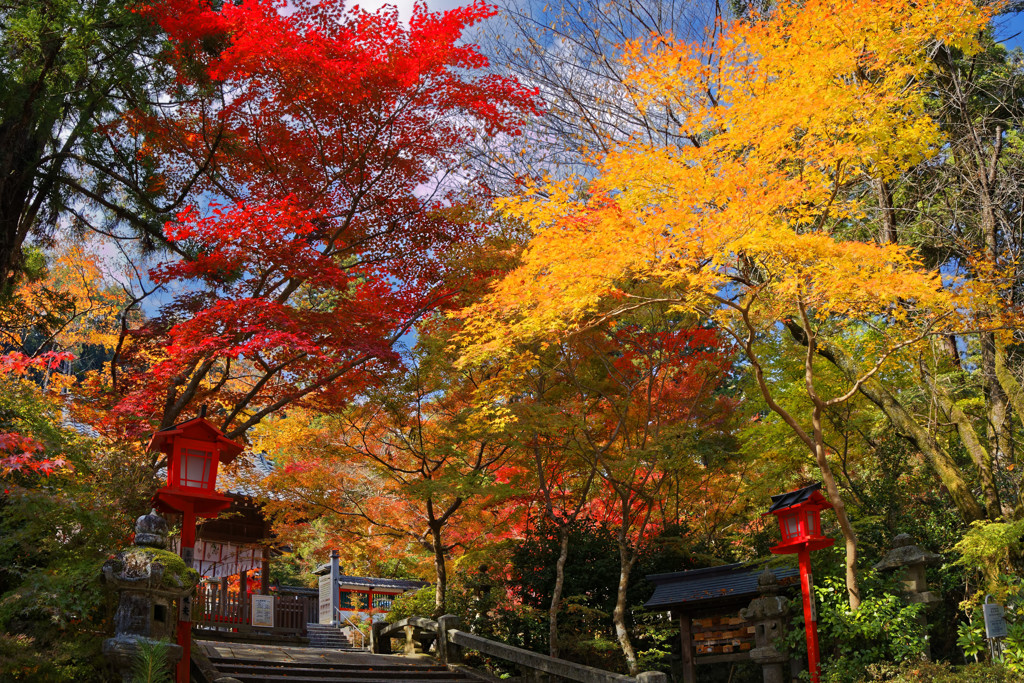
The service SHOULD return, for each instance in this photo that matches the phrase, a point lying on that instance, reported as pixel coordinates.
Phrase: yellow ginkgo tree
(792, 115)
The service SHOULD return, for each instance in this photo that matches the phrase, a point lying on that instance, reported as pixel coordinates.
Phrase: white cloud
(405, 6)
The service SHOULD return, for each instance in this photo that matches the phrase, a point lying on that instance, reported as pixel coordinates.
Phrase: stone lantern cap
(151, 531)
(904, 554)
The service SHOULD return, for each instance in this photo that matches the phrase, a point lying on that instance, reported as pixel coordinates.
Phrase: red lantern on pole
(799, 515)
(194, 449)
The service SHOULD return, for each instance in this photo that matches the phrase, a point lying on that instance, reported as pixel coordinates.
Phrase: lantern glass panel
(196, 467)
(790, 525)
(812, 527)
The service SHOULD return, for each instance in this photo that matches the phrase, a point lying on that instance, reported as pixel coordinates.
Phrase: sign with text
(995, 621)
(185, 608)
(263, 611)
(325, 599)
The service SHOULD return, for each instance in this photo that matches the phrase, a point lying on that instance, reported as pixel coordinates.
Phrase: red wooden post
(810, 614)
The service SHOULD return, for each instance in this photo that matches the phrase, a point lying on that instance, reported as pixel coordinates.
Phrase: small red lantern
(194, 449)
(799, 515)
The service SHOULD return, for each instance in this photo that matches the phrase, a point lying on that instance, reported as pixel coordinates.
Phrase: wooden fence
(219, 609)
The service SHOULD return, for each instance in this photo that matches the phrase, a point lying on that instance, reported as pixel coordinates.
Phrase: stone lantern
(912, 560)
(769, 613)
(150, 581)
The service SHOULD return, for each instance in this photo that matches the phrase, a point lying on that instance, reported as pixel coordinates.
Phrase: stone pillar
(911, 561)
(651, 677)
(768, 612)
(379, 645)
(410, 640)
(150, 581)
(447, 652)
(335, 598)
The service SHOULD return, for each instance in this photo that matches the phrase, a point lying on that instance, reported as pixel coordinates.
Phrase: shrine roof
(372, 581)
(697, 588)
(243, 481)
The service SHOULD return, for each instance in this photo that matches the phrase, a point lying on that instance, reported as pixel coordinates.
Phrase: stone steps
(327, 636)
(374, 670)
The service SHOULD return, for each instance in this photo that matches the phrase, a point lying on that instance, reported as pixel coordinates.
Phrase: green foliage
(971, 638)
(291, 570)
(884, 630)
(56, 532)
(151, 663)
(915, 672)
(987, 548)
(971, 633)
(418, 603)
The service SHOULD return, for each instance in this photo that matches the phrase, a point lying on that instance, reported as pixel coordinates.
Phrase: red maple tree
(317, 144)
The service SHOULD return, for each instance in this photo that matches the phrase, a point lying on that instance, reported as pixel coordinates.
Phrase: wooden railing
(451, 642)
(216, 608)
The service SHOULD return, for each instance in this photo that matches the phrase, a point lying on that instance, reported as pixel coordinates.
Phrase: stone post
(910, 561)
(379, 645)
(768, 612)
(335, 597)
(652, 677)
(150, 581)
(410, 647)
(447, 652)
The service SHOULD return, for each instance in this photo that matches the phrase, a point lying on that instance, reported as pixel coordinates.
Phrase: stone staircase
(266, 663)
(327, 636)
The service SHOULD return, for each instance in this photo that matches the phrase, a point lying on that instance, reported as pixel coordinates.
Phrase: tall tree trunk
(995, 397)
(969, 438)
(996, 400)
(1004, 375)
(626, 560)
(839, 507)
(441, 587)
(888, 212)
(556, 594)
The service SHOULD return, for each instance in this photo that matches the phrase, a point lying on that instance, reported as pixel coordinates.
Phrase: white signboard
(325, 599)
(995, 621)
(263, 611)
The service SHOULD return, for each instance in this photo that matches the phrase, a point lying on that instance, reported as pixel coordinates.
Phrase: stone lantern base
(122, 652)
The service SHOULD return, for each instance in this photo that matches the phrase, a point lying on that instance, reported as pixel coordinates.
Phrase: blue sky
(1007, 26)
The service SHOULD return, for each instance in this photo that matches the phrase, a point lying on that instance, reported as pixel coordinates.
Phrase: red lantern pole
(799, 516)
(193, 450)
(810, 614)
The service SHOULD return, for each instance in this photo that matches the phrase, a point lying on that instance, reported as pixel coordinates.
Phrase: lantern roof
(197, 428)
(809, 496)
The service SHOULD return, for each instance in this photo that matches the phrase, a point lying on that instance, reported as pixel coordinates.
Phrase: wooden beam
(724, 658)
(265, 572)
(686, 635)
